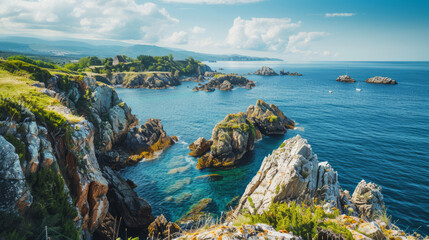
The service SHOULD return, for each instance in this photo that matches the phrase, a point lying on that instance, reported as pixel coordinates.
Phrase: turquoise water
(380, 134)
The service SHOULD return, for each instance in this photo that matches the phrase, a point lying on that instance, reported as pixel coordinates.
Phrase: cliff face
(75, 148)
(152, 80)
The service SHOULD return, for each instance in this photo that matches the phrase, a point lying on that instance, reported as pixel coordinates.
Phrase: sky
(293, 30)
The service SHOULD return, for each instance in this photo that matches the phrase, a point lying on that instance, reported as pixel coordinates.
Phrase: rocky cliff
(82, 123)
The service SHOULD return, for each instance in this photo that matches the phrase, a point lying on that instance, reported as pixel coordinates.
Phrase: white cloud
(177, 38)
(111, 19)
(229, 2)
(300, 43)
(198, 30)
(260, 33)
(340, 14)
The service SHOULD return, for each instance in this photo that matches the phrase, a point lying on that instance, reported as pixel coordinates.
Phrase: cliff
(57, 131)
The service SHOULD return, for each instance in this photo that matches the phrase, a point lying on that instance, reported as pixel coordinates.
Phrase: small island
(266, 71)
(345, 78)
(381, 80)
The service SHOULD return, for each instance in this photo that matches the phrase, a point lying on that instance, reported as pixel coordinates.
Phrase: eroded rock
(266, 71)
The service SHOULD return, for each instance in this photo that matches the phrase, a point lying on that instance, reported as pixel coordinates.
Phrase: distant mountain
(78, 49)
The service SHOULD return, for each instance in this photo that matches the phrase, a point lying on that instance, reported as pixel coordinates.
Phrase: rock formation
(199, 147)
(269, 119)
(266, 71)
(163, 229)
(225, 82)
(368, 199)
(232, 138)
(381, 80)
(291, 172)
(282, 72)
(345, 78)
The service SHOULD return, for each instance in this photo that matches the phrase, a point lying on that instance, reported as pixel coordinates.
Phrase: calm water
(380, 134)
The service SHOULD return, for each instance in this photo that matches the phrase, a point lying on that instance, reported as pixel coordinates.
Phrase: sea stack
(345, 78)
(266, 71)
(381, 80)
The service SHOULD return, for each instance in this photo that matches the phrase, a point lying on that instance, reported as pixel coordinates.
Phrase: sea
(379, 134)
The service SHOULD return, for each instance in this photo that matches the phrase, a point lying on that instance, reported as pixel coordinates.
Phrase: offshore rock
(368, 199)
(163, 229)
(146, 140)
(15, 197)
(225, 82)
(345, 78)
(232, 138)
(381, 80)
(199, 147)
(292, 172)
(269, 119)
(125, 203)
(266, 71)
(226, 86)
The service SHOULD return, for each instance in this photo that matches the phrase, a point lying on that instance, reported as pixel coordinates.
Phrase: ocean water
(380, 134)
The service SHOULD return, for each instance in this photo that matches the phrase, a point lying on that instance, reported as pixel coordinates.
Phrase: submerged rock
(381, 80)
(196, 211)
(269, 119)
(345, 78)
(291, 172)
(211, 177)
(232, 138)
(199, 147)
(266, 71)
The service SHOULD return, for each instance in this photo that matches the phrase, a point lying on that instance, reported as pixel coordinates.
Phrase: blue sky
(291, 30)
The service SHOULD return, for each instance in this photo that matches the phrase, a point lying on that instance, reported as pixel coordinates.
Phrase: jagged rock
(106, 230)
(7, 128)
(345, 78)
(33, 146)
(381, 80)
(47, 153)
(266, 71)
(225, 82)
(125, 203)
(87, 184)
(368, 199)
(210, 74)
(226, 86)
(146, 140)
(291, 172)
(15, 197)
(203, 69)
(232, 138)
(199, 147)
(269, 119)
(163, 229)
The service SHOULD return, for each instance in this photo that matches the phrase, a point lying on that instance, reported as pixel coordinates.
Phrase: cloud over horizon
(340, 14)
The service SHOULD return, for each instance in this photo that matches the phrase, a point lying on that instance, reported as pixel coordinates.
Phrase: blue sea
(380, 134)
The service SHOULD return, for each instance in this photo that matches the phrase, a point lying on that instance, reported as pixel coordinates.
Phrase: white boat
(358, 89)
(330, 92)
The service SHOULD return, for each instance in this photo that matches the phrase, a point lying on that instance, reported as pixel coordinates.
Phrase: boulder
(291, 172)
(266, 71)
(199, 147)
(368, 199)
(381, 80)
(226, 86)
(163, 229)
(124, 202)
(269, 119)
(371, 230)
(345, 78)
(15, 196)
(232, 138)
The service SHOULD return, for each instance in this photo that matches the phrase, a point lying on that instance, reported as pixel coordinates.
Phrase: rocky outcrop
(152, 80)
(124, 202)
(225, 82)
(345, 78)
(15, 196)
(232, 138)
(144, 141)
(381, 80)
(291, 172)
(269, 119)
(282, 72)
(163, 229)
(246, 231)
(199, 147)
(368, 199)
(203, 69)
(266, 71)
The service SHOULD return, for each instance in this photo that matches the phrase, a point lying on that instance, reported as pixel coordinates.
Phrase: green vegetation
(299, 219)
(272, 118)
(282, 145)
(19, 146)
(51, 207)
(236, 121)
